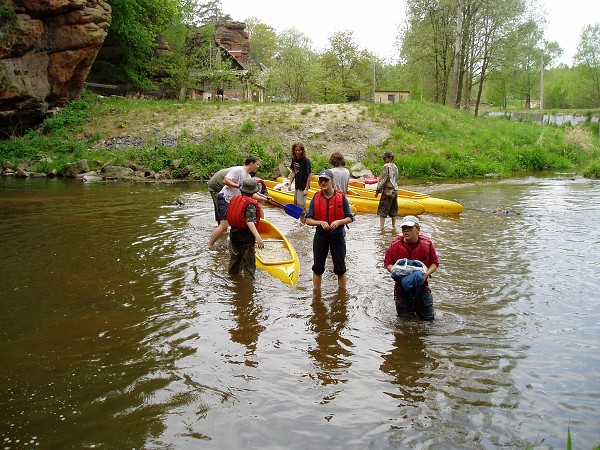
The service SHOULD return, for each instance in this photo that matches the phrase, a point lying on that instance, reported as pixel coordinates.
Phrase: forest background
(502, 61)
(502, 57)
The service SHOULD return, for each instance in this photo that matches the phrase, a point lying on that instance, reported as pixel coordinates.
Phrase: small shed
(391, 96)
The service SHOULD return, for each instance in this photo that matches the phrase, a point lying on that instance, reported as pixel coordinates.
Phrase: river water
(119, 329)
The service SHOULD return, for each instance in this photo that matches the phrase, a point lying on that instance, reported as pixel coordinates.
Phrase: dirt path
(323, 128)
(346, 128)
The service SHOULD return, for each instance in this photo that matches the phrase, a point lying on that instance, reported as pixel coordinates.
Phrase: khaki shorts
(300, 199)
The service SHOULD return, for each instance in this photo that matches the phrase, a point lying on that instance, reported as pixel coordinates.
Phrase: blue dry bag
(410, 272)
(412, 282)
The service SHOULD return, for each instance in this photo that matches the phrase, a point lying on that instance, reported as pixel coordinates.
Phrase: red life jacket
(400, 249)
(236, 211)
(329, 209)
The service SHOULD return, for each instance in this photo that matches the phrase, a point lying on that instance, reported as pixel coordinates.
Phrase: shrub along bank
(430, 142)
(433, 141)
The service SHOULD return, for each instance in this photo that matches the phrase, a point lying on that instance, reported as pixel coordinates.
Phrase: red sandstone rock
(45, 62)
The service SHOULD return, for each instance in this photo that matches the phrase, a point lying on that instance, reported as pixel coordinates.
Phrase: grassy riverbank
(429, 140)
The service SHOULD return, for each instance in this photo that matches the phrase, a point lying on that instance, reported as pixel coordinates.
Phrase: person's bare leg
(394, 222)
(218, 231)
(300, 202)
(381, 222)
(317, 282)
(342, 282)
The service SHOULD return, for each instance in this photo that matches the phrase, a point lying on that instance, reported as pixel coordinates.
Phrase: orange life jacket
(236, 211)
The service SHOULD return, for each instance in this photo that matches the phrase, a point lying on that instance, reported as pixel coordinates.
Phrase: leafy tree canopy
(135, 27)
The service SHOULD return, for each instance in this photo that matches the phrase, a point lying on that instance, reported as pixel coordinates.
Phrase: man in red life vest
(415, 246)
(329, 211)
(243, 216)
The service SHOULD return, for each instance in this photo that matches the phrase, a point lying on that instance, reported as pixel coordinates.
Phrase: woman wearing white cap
(413, 246)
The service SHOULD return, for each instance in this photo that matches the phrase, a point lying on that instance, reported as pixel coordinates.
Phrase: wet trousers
(420, 303)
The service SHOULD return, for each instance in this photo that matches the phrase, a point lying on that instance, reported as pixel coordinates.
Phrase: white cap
(409, 221)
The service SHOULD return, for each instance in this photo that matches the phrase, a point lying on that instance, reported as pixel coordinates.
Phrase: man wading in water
(413, 246)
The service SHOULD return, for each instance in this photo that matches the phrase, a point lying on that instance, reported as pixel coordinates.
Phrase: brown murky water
(120, 330)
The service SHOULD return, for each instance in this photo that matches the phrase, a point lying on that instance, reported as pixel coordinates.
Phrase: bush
(72, 116)
(592, 170)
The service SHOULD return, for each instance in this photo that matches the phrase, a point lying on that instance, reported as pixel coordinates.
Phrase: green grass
(568, 445)
(429, 141)
(592, 170)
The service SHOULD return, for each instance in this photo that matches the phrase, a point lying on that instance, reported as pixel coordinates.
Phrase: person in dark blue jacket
(329, 211)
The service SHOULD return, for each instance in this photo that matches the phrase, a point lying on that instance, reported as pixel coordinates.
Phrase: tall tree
(263, 41)
(194, 59)
(366, 75)
(134, 30)
(527, 61)
(558, 85)
(296, 73)
(340, 61)
(469, 53)
(496, 20)
(428, 41)
(588, 57)
(458, 45)
(198, 14)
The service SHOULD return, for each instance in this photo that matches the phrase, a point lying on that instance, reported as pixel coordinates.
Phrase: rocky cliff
(232, 35)
(45, 55)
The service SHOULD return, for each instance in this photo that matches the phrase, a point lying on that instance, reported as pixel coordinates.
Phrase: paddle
(291, 210)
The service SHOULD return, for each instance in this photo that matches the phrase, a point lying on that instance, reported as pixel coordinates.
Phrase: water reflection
(408, 364)
(332, 350)
(121, 330)
(249, 317)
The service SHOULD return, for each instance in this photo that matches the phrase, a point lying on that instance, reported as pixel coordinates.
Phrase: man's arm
(250, 214)
(230, 183)
(291, 176)
(383, 177)
(389, 260)
(435, 262)
(259, 241)
(432, 268)
(308, 180)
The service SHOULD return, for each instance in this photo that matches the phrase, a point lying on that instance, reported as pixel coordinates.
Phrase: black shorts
(322, 244)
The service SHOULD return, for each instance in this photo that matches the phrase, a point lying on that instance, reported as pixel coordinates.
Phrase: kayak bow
(279, 258)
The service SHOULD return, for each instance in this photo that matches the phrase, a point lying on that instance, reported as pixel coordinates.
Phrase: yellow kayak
(429, 203)
(362, 203)
(287, 197)
(279, 258)
(370, 204)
